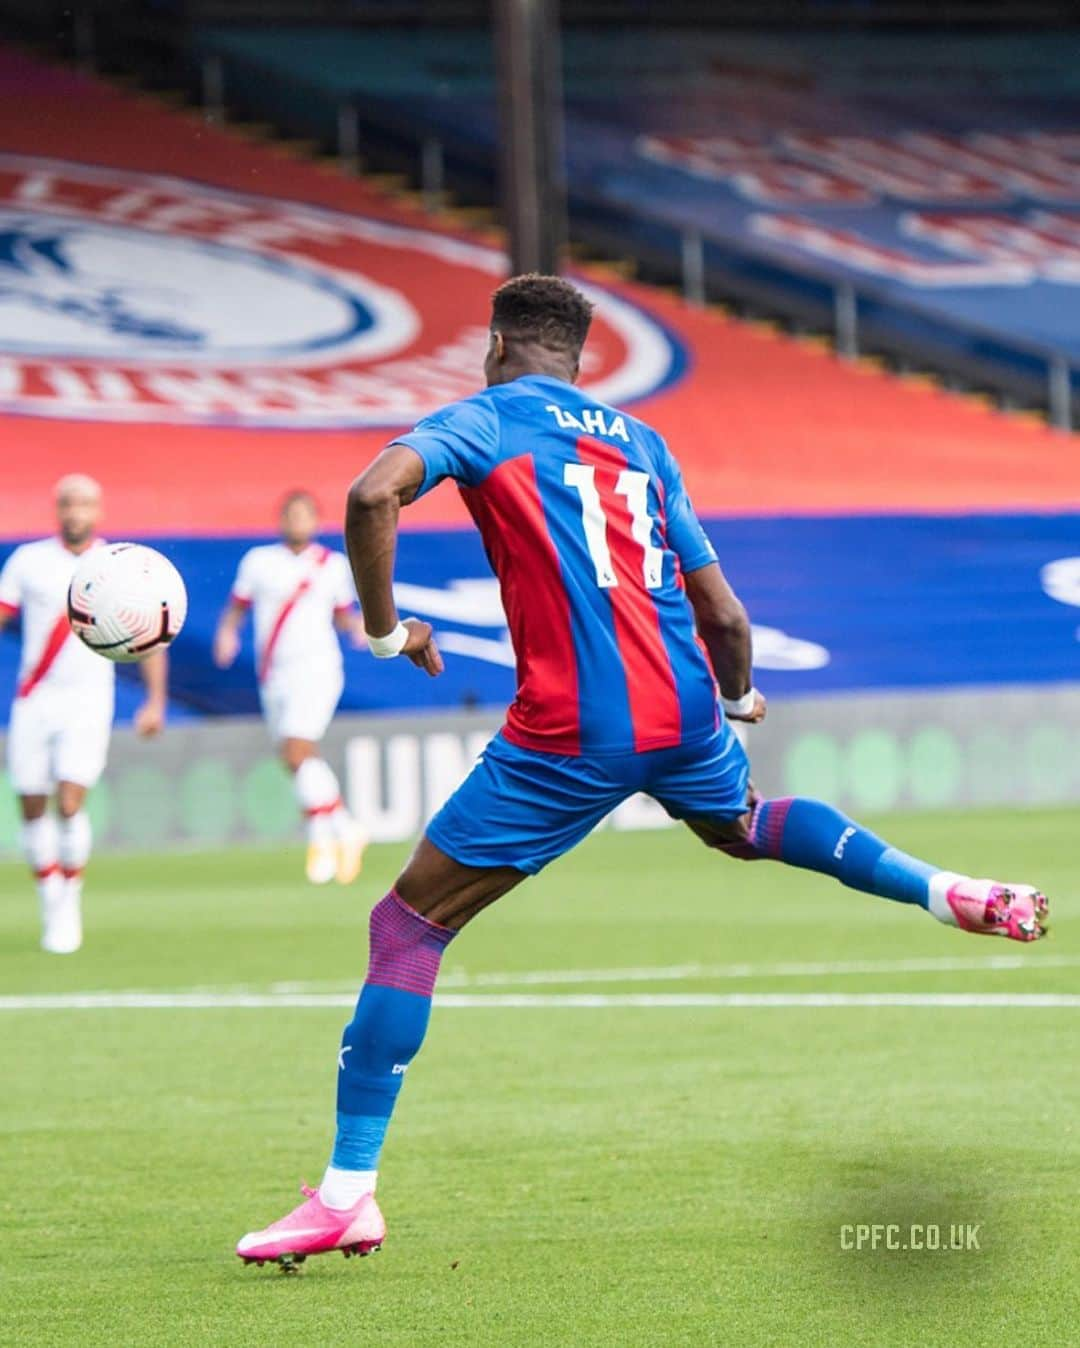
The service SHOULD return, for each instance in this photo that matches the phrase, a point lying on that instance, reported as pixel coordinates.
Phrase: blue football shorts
(522, 808)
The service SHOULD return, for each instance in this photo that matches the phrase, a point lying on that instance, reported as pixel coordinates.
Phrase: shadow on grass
(912, 1227)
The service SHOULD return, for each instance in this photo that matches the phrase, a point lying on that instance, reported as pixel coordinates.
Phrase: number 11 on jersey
(633, 486)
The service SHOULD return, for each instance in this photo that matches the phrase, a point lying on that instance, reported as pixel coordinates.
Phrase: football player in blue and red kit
(633, 657)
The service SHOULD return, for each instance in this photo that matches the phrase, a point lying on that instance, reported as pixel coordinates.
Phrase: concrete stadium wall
(216, 783)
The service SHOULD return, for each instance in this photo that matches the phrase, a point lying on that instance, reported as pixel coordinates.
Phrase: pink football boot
(1017, 912)
(313, 1228)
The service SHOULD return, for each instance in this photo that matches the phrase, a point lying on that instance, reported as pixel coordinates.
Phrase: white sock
(343, 1188)
(320, 828)
(319, 795)
(938, 903)
(76, 837)
(40, 845)
(342, 823)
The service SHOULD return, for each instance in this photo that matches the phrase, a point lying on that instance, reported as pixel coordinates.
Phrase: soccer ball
(126, 600)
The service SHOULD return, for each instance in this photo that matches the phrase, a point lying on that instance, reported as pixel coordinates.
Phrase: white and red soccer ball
(125, 601)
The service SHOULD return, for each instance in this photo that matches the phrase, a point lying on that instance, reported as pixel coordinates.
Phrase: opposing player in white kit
(61, 716)
(302, 594)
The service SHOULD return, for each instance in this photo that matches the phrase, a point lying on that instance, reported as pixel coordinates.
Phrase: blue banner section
(838, 605)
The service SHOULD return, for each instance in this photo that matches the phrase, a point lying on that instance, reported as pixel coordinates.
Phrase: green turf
(555, 1176)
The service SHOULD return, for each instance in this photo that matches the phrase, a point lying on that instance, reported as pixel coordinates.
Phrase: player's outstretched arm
(371, 522)
(150, 718)
(724, 626)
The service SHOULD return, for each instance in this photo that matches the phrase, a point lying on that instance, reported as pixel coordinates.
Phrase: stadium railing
(860, 314)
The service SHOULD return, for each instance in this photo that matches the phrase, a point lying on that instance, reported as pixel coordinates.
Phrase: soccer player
(301, 593)
(61, 716)
(633, 656)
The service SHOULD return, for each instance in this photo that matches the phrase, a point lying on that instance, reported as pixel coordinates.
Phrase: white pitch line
(815, 969)
(759, 1000)
(332, 993)
(685, 973)
(205, 1001)
(341, 994)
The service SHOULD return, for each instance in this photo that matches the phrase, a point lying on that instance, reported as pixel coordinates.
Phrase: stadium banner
(203, 322)
(839, 606)
(216, 784)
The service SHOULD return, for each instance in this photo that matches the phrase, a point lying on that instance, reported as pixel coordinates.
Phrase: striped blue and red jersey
(589, 529)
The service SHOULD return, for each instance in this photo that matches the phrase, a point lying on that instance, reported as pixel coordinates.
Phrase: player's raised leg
(709, 787)
(809, 833)
(815, 836)
(409, 930)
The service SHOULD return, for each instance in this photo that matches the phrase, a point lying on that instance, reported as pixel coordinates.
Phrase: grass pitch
(576, 1174)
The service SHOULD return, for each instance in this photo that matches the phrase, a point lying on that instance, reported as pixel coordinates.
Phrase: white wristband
(385, 648)
(740, 706)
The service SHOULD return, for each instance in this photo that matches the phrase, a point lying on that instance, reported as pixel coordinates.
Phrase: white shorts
(53, 737)
(301, 706)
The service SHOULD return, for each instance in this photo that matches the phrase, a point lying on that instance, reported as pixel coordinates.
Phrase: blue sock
(816, 837)
(386, 1030)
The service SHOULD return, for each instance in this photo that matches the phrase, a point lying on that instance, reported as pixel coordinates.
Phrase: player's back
(587, 525)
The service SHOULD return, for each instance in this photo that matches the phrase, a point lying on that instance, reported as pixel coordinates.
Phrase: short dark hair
(298, 494)
(542, 309)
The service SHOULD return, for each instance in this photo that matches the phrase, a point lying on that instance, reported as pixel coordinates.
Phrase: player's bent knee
(447, 892)
(732, 837)
(33, 807)
(294, 752)
(70, 798)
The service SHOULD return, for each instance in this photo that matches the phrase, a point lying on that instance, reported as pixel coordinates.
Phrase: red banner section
(203, 322)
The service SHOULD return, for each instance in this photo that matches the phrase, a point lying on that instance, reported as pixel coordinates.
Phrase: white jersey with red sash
(62, 712)
(34, 585)
(294, 597)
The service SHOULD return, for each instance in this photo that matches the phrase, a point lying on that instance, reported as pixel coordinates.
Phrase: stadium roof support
(533, 186)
